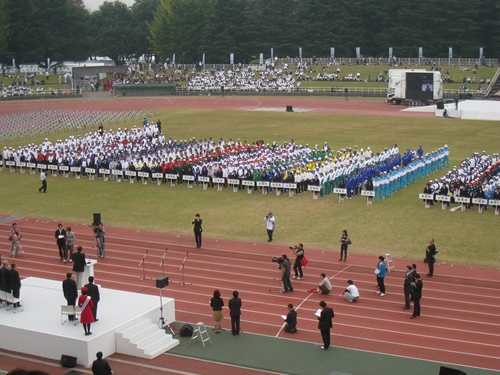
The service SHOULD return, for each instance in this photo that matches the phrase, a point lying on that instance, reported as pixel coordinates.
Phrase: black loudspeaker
(161, 282)
(68, 361)
(289, 108)
(440, 104)
(97, 219)
(186, 330)
(450, 371)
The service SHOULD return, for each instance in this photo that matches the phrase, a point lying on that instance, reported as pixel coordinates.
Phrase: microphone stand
(143, 277)
(182, 270)
(162, 263)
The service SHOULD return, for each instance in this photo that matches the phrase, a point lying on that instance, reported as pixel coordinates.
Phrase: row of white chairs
(53, 121)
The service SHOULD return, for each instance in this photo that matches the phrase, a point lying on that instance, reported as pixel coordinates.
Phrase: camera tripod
(162, 322)
(277, 278)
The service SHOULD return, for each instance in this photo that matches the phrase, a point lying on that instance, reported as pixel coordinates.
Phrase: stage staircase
(143, 339)
(493, 90)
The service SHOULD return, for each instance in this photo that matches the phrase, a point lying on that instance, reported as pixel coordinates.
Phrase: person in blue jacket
(382, 272)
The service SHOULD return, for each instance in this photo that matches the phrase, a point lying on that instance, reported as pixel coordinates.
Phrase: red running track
(459, 322)
(315, 105)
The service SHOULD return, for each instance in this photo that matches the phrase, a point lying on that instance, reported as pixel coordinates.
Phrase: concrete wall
(144, 90)
(95, 70)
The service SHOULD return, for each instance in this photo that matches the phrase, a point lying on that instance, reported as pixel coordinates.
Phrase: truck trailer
(414, 85)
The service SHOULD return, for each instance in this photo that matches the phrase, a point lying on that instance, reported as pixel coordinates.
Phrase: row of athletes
(485, 185)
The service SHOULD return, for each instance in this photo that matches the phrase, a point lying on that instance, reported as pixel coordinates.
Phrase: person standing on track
(408, 286)
(345, 241)
(216, 303)
(197, 230)
(60, 236)
(417, 295)
(270, 223)
(325, 323)
(15, 241)
(235, 312)
(297, 266)
(431, 252)
(380, 272)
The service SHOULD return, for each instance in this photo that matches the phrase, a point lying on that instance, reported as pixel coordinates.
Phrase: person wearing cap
(351, 293)
(86, 304)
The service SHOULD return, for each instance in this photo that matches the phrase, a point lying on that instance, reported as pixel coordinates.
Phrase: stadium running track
(460, 305)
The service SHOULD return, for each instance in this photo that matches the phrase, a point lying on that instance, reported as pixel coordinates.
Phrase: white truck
(414, 85)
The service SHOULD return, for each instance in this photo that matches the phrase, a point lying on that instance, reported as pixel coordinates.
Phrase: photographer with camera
(285, 275)
(297, 266)
(270, 222)
(100, 239)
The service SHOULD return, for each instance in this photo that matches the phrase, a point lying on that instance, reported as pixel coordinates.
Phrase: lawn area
(398, 225)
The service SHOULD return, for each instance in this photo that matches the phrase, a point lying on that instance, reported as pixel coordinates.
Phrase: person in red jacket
(86, 304)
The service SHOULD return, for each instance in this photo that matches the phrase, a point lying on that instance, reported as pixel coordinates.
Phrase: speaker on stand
(97, 219)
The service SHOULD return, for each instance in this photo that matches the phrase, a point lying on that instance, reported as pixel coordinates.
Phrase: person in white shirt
(270, 221)
(324, 286)
(351, 293)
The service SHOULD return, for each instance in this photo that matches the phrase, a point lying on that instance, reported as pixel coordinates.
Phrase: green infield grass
(398, 225)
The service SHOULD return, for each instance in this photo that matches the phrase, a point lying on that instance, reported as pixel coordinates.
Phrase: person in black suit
(197, 230)
(325, 324)
(4, 277)
(60, 236)
(235, 312)
(407, 286)
(417, 295)
(70, 292)
(291, 320)
(14, 282)
(94, 294)
(78, 266)
(431, 252)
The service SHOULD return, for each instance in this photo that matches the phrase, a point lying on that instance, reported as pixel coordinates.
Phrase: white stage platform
(38, 330)
(467, 110)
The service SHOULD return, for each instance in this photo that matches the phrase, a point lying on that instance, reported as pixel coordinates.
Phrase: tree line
(31, 31)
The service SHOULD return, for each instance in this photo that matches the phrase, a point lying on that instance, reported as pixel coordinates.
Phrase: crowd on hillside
(274, 75)
(145, 149)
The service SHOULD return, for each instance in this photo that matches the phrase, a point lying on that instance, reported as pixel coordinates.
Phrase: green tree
(177, 29)
(44, 29)
(112, 31)
(143, 13)
(225, 32)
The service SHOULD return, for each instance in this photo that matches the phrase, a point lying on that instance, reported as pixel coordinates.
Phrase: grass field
(398, 225)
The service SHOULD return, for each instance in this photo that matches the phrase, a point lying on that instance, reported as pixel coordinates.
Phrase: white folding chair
(13, 300)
